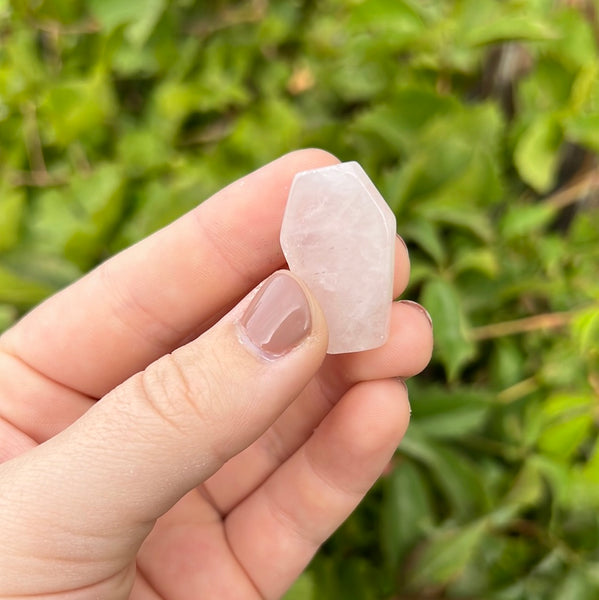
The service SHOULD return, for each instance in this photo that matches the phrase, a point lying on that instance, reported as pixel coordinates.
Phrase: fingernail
(403, 383)
(401, 240)
(278, 317)
(420, 308)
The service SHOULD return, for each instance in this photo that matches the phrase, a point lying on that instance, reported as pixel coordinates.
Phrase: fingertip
(377, 417)
(316, 489)
(288, 165)
(401, 271)
(419, 320)
(316, 156)
(406, 352)
(420, 309)
(405, 393)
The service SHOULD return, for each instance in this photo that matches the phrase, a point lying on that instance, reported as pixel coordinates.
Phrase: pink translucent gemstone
(338, 235)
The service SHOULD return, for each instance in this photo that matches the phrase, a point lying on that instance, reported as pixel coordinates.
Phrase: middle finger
(406, 353)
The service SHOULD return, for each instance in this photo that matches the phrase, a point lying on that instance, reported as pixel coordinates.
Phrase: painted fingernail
(403, 383)
(278, 317)
(420, 308)
(401, 240)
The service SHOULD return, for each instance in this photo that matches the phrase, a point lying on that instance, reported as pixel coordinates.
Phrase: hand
(156, 445)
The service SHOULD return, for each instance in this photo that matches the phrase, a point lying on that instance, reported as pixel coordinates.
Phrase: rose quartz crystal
(338, 235)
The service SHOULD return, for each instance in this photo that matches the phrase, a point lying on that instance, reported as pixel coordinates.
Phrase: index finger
(146, 300)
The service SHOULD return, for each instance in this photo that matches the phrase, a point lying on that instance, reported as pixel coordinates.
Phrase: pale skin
(147, 453)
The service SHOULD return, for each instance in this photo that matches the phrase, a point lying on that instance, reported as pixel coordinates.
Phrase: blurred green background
(479, 122)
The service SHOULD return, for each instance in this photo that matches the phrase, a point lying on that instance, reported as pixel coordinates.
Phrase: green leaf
(76, 223)
(392, 16)
(455, 475)
(575, 45)
(590, 471)
(577, 585)
(172, 101)
(509, 28)
(77, 109)
(446, 555)
(567, 421)
(142, 26)
(352, 578)
(21, 291)
(140, 15)
(451, 163)
(481, 260)
(507, 363)
(426, 235)
(442, 413)
(283, 126)
(112, 13)
(584, 129)
(399, 124)
(142, 149)
(407, 512)
(52, 272)
(475, 222)
(562, 439)
(558, 476)
(547, 89)
(12, 208)
(564, 405)
(99, 200)
(433, 167)
(526, 219)
(452, 346)
(527, 489)
(584, 88)
(537, 153)
(586, 329)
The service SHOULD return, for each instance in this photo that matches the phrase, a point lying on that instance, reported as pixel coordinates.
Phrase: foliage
(477, 119)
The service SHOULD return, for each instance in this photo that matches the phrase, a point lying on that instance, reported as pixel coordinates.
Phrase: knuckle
(183, 398)
(275, 445)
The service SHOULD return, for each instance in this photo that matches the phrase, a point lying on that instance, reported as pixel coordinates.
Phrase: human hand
(154, 445)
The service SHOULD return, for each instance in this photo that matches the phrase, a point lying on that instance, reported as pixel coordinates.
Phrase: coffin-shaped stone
(338, 235)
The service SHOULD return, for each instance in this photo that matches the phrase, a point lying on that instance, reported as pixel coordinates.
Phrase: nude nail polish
(278, 317)
(401, 240)
(420, 308)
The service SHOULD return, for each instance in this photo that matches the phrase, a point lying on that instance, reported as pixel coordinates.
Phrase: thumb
(165, 430)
